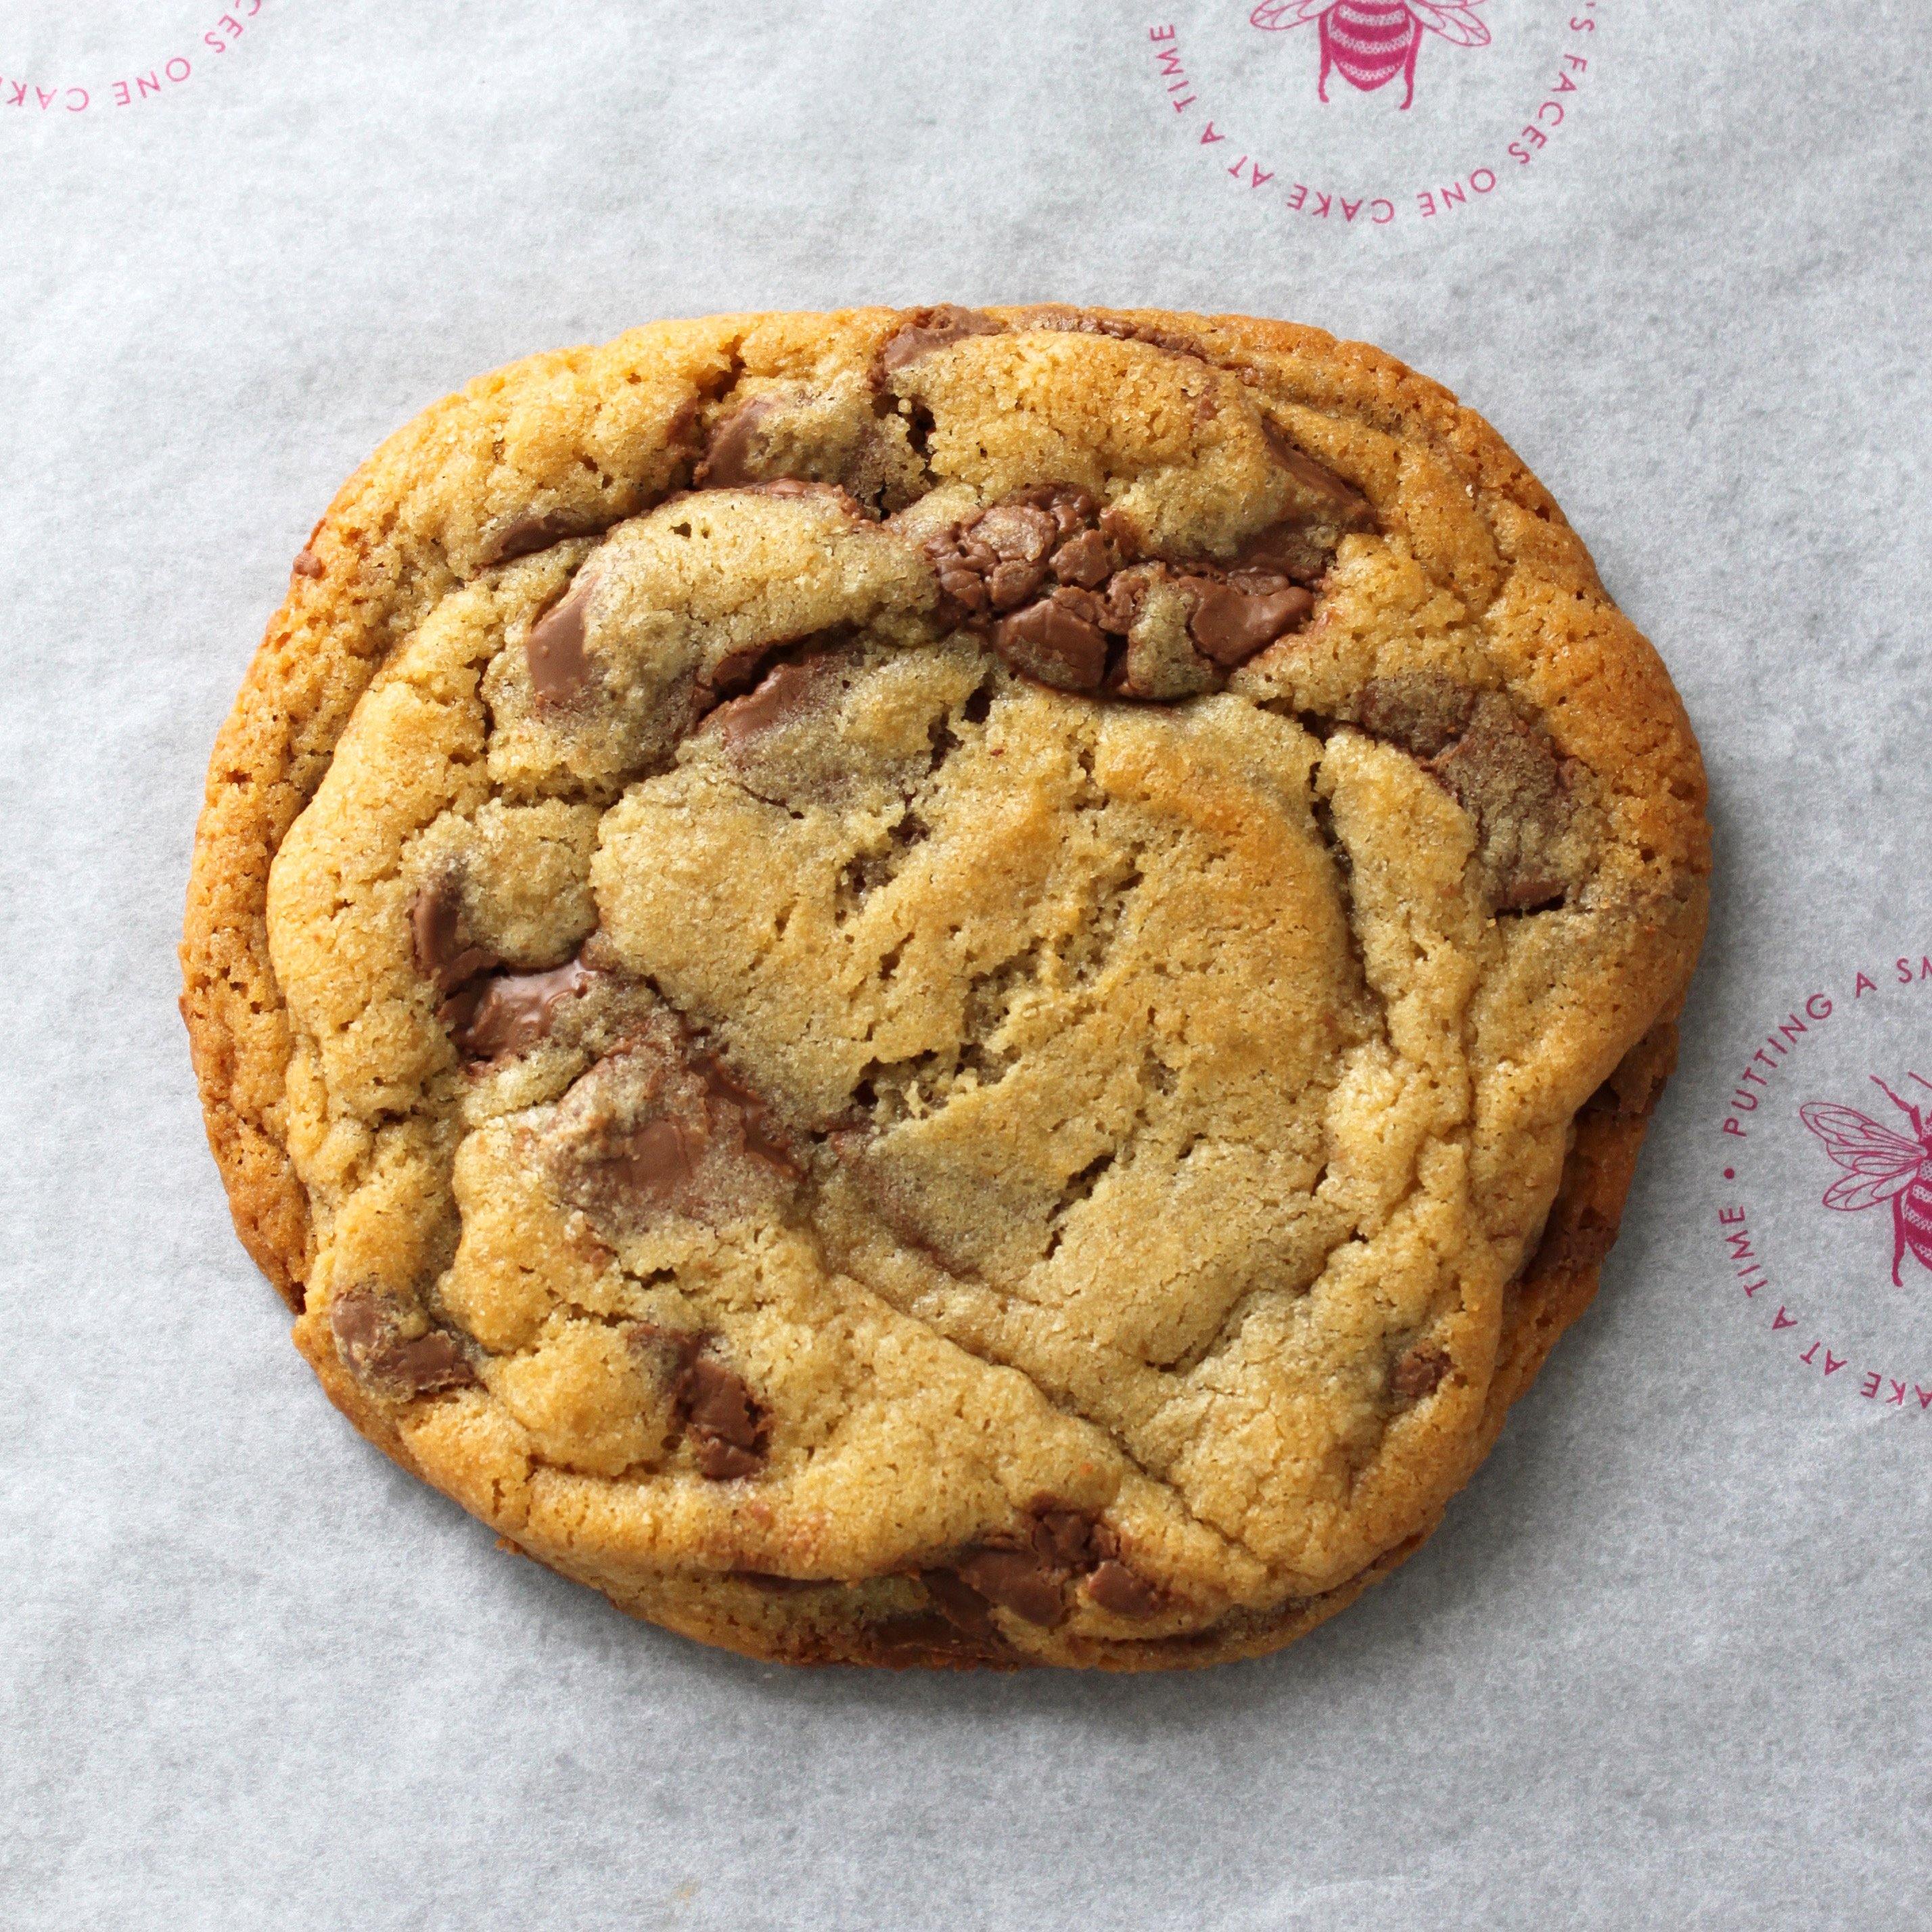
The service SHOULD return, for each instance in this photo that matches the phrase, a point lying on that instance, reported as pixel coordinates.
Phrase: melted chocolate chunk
(658, 1127)
(1069, 1538)
(1058, 640)
(1500, 769)
(525, 535)
(1122, 1592)
(784, 691)
(959, 1603)
(726, 1426)
(508, 1014)
(1418, 1373)
(926, 1639)
(794, 486)
(436, 923)
(1028, 1573)
(368, 1325)
(1509, 780)
(1086, 561)
(1016, 1580)
(1230, 624)
(1327, 498)
(1422, 711)
(931, 329)
(1050, 578)
(731, 456)
(1119, 330)
(560, 666)
(725, 1423)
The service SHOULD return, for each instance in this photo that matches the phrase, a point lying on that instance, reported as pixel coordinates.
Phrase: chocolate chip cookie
(945, 987)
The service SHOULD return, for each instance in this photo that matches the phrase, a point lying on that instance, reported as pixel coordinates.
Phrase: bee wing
(1858, 1144)
(1274, 15)
(1453, 20)
(1852, 1191)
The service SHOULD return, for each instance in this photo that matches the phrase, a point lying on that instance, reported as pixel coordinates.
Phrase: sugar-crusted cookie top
(947, 964)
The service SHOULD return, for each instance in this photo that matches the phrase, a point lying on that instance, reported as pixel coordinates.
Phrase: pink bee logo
(1371, 41)
(1881, 1165)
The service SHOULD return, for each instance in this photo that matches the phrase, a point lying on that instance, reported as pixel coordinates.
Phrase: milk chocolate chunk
(726, 1426)
(436, 922)
(936, 327)
(560, 666)
(1123, 1592)
(1058, 640)
(1507, 777)
(1500, 769)
(731, 456)
(1418, 1373)
(1325, 497)
(525, 535)
(926, 1639)
(784, 691)
(1063, 1536)
(959, 1603)
(657, 1127)
(1230, 625)
(369, 1327)
(1087, 560)
(1422, 711)
(306, 564)
(510, 1013)
(1016, 1580)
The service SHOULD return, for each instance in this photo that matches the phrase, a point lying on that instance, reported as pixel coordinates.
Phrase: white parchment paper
(1665, 1663)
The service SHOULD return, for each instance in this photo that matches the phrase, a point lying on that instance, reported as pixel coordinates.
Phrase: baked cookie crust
(954, 987)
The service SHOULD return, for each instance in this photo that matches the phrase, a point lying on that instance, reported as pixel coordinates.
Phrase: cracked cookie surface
(943, 986)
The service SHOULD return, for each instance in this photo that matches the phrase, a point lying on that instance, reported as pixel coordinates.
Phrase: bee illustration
(1881, 1165)
(1371, 41)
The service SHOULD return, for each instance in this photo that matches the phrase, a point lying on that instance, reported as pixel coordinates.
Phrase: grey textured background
(1666, 1663)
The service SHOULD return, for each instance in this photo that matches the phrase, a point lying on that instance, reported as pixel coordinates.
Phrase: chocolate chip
(1122, 1592)
(658, 1127)
(1418, 1373)
(764, 1140)
(1058, 640)
(1422, 711)
(510, 1013)
(1079, 323)
(367, 1326)
(1502, 770)
(927, 1639)
(726, 1426)
(784, 691)
(731, 456)
(524, 535)
(1120, 530)
(959, 1603)
(1508, 778)
(560, 666)
(306, 564)
(1326, 497)
(1087, 560)
(1230, 624)
(931, 329)
(1062, 1536)
(435, 922)
(1016, 1580)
